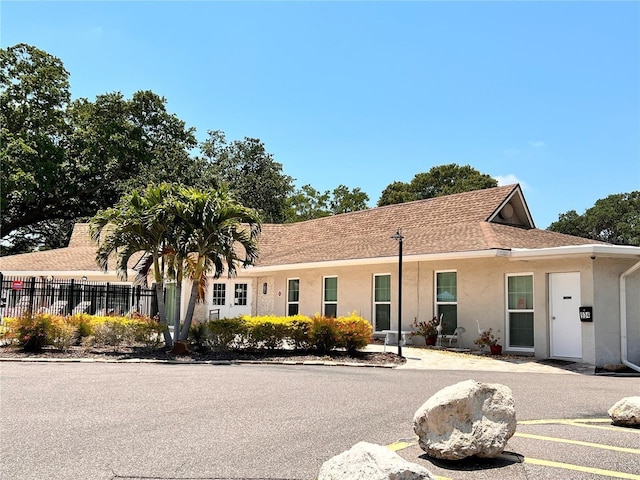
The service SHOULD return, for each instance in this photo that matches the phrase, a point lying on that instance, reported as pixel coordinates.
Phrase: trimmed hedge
(32, 331)
(271, 332)
(323, 334)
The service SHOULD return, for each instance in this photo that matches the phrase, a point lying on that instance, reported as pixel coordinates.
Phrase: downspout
(623, 317)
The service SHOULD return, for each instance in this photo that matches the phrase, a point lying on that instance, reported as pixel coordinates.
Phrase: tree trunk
(162, 313)
(178, 301)
(190, 309)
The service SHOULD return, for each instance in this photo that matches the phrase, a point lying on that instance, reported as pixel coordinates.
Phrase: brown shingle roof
(58, 260)
(80, 255)
(454, 223)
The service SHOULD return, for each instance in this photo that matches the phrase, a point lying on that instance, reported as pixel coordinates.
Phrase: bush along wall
(34, 331)
(300, 332)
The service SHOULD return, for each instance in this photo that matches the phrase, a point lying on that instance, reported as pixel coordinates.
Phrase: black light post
(398, 237)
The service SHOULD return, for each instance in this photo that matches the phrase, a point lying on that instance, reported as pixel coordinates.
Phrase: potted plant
(488, 339)
(428, 330)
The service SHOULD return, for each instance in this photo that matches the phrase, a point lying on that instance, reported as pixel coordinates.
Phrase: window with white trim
(293, 296)
(330, 297)
(520, 311)
(382, 302)
(219, 293)
(447, 300)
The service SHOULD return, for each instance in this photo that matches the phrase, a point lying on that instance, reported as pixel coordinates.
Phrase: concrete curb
(196, 362)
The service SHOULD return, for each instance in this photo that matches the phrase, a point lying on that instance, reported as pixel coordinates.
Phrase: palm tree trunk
(162, 308)
(190, 309)
(162, 313)
(178, 302)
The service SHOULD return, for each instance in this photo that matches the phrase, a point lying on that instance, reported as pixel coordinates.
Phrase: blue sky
(365, 93)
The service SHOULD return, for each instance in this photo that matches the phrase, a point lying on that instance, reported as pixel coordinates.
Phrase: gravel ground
(163, 354)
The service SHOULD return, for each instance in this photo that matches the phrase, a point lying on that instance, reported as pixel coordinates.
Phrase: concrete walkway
(429, 358)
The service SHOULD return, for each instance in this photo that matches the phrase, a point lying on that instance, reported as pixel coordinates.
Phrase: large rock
(465, 419)
(626, 412)
(368, 461)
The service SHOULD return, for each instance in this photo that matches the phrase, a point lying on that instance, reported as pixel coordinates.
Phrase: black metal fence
(68, 296)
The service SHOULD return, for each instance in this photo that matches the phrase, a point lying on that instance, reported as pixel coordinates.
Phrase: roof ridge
(440, 198)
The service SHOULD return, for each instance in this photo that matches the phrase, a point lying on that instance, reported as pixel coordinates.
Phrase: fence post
(32, 293)
(106, 301)
(71, 294)
(138, 306)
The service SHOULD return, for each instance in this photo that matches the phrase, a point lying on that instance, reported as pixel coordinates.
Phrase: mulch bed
(138, 352)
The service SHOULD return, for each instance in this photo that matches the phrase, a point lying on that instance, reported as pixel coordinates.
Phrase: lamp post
(398, 237)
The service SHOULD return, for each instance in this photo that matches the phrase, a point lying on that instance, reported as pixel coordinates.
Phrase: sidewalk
(424, 358)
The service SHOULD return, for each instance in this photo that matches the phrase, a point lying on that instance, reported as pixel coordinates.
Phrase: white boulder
(368, 461)
(465, 419)
(626, 412)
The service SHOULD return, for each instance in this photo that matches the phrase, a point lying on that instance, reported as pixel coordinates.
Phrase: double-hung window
(330, 297)
(382, 302)
(520, 311)
(447, 300)
(293, 296)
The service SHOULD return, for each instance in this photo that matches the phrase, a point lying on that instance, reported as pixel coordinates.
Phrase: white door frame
(565, 329)
(230, 309)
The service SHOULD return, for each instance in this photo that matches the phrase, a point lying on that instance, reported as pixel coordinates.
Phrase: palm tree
(213, 233)
(138, 223)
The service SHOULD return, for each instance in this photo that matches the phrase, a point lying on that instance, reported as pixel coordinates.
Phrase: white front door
(229, 298)
(564, 303)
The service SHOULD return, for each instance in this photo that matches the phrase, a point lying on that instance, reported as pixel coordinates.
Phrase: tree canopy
(308, 203)
(614, 219)
(250, 174)
(64, 160)
(438, 181)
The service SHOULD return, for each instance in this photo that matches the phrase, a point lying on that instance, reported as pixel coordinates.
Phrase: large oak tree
(613, 219)
(438, 181)
(64, 160)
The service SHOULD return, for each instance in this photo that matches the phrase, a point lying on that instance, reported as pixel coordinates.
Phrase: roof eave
(64, 273)
(257, 271)
(577, 250)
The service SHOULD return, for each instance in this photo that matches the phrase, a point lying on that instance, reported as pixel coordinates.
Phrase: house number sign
(586, 314)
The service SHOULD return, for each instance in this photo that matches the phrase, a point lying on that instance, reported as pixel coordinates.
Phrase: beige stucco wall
(481, 297)
(633, 317)
(607, 313)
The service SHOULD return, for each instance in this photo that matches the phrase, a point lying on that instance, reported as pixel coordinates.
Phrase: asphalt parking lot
(547, 449)
(154, 421)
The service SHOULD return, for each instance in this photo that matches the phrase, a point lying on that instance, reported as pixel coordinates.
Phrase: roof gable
(513, 211)
(452, 223)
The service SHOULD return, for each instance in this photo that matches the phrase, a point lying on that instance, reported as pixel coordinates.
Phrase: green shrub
(82, 323)
(109, 333)
(268, 332)
(299, 332)
(355, 332)
(144, 329)
(225, 334)
(61, 333)
(323, 334)
(30, 330)
(5, 338)
(198, 335)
